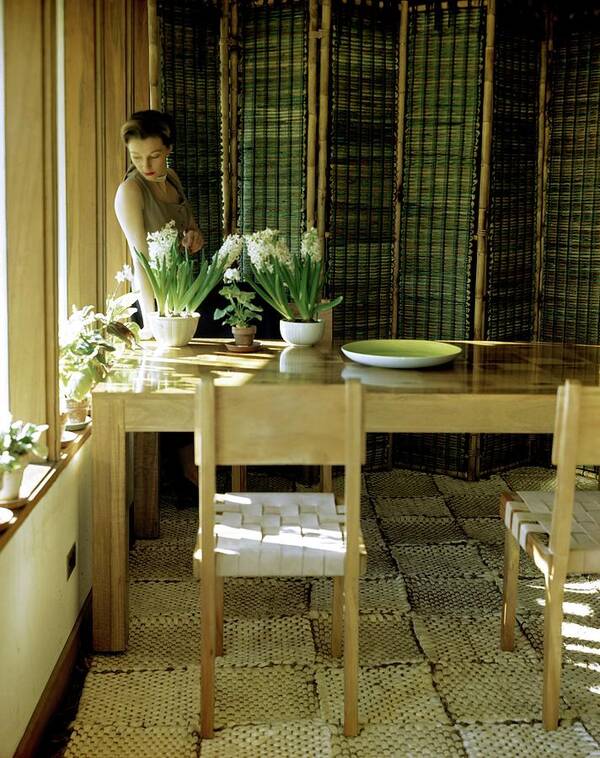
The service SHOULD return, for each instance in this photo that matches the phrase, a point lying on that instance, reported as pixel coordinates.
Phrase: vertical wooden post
(401, 109)
(323, 118)
(484, 173)
(542, 172)
(233, 151)
(153, 56)
(311, 160)
(226, 167)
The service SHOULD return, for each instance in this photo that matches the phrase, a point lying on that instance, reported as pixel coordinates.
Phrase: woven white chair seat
(533, 515)
(278, 534)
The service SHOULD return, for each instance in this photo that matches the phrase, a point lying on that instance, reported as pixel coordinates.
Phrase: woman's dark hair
(144, 124)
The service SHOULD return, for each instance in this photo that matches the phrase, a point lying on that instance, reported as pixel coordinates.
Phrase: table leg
(110, 588)
(146, 521)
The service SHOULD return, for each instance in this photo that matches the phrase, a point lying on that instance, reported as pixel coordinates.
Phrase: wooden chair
(571, 520)
(268, 534)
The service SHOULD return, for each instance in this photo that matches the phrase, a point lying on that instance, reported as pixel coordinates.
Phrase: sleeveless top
(156, 212)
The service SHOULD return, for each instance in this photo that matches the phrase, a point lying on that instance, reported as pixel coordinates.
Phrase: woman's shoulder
(129, 190)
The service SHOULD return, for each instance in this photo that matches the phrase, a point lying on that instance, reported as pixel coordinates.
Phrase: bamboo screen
(571, 268)
(361, 171)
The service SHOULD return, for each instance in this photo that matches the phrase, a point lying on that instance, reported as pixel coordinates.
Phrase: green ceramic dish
(401, 353)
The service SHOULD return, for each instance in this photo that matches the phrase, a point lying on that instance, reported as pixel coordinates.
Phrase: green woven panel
(362, 158)
(571, 271)
(189, 31)
(272, 110)
(445, 67)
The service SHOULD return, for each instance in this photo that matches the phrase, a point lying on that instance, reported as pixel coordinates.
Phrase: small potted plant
(238, 313)
(179, 285)
(89, 344)
(291, 283)
(19, 443)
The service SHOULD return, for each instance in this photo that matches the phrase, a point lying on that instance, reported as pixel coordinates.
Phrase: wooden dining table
(494, 387)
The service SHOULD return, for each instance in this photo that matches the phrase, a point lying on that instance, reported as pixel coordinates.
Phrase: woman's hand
(193, 240)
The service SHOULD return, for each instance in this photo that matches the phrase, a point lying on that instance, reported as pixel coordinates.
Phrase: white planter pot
(173, 331)
(301, 333)
(10, 484)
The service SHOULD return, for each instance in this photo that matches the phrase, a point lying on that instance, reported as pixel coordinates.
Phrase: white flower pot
(10, 484)
(173, 331)
(301, 333)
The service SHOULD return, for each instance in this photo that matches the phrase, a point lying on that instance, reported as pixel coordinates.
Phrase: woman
(151, 194)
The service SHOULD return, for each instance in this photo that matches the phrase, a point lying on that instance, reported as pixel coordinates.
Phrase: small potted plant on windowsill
(180, 285)
(239, 312)
(19, 443)
(291, 282)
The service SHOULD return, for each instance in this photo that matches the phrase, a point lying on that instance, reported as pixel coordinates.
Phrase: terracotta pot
(243, 335)
(77, 410)
(301, 333)
(173, 331)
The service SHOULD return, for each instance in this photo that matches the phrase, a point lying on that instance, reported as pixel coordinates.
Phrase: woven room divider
(442, 216)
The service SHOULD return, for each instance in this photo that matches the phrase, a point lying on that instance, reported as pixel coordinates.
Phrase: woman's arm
(128, 207)
(192, 238)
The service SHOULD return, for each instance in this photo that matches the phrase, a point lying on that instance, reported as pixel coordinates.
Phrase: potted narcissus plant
(180, 284)
(238, 313)
(291, 282)
(19, 443)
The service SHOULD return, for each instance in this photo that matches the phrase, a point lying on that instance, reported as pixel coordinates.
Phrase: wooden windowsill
(37, 480)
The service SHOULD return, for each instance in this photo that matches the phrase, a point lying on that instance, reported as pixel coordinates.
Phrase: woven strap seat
(532, 515)
(279, 534)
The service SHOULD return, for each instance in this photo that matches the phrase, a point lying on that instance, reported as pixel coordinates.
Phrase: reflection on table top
(483, 367)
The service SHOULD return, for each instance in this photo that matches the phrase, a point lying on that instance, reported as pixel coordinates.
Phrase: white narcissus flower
(160, 242)
(231, 275)
(124, 275)
(311, 246)
(230, 250)
(265, 247)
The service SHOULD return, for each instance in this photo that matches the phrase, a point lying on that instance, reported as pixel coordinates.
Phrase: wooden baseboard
(58, 683)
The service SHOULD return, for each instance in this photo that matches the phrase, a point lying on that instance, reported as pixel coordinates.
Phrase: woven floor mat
(532, 740)
(466, 638)
(96, 741)
(489, 530)
(401, 483)
(592, 725)
(261, 642)
(257, 598)
(532, 478)
(580, 686)
(289, 740)
(392, 508)
(400, 741)
(380, 563)
(155, 598)
(462, 597)
(383, 639)
(415, 530)
(255, 696)
(372, 534)
(391, 695)
(156, 643)
(172, 561)
(375, 595)
(580, 639)
(506, 690)
(481, 490)
(141, 698)
(493, 557)
(438, 560)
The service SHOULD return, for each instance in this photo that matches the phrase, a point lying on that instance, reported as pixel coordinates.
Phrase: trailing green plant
(240, 310)
(292, 283)
(180, 284)
(19, 440)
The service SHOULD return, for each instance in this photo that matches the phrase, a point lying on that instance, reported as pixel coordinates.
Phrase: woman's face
(149, 156)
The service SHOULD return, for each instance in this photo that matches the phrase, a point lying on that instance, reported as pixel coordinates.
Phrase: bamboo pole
(311, 160)
(445, 5)
(323, 118)
(402, 66)
(484, 173)
(153, 56)
(226, 167)
(234, 112)
(542, 172)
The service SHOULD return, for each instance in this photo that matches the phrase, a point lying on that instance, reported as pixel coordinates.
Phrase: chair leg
(553, 615)
(219, 616)
(207, 656)
(351, 621)
(509, 591)
(239, 478)
(337, 616)
(326, 479)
